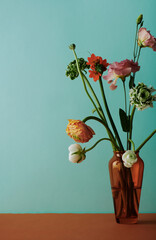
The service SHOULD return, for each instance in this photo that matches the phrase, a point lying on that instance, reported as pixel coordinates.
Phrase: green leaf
(131, 82)
(125, 120)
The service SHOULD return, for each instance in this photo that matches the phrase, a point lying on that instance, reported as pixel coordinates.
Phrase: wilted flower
(120, 70)
(141, 96)
(76, 153)
(72, 70)
(98, 66)
(129, 158)
(145, 39)
(79, 131)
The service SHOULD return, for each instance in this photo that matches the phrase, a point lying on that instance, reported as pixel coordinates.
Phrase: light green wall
(36, 99)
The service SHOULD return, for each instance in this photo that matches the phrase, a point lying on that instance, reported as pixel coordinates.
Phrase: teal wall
(36, 99)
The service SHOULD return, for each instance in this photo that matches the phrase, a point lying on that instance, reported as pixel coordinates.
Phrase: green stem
(95, 97)
(131, 125)
(146, 140)
(135, 43)
(99, 105)
(139, 54)
(80, 73)
(125, 105)
(109, 115)
(125, 97)
(107, 128)
(97, 143)
(133, 145)
(137, 60)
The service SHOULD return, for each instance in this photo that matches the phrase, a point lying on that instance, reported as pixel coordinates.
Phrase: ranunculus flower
(129, 158)
(79, 131)
(98, 66)
(141, 96)
(76, 154)
(145, 39)
(120, 70)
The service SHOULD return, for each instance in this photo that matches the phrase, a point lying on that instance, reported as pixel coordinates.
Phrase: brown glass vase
(126, 188)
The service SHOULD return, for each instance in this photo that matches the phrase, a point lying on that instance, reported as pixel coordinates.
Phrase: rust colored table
(74, 227)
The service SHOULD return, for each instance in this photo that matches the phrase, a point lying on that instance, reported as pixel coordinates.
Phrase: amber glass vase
(126, 188)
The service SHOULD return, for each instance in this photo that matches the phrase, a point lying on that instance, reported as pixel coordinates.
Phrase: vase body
(126, 186)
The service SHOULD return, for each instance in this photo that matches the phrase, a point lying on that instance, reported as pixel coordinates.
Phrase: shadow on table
(147, 222)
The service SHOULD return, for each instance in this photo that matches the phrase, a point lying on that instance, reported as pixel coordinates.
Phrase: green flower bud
(139, 19)
(141, 96)
(72, 46)
(72, 70)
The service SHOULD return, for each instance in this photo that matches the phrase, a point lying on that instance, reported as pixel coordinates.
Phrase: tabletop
(74, 227)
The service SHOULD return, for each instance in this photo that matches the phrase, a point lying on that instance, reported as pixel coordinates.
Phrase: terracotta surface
(74, 227)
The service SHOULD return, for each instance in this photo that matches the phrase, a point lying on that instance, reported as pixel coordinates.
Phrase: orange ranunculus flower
(98, 66)
(79, 131)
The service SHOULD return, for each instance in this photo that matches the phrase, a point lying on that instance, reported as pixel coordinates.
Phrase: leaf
(125, 120)
(131, 82)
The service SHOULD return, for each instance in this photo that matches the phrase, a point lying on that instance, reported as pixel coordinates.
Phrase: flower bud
(79, 131)
(72, 46)
(129, 158)
(139, 19)
(76, 153)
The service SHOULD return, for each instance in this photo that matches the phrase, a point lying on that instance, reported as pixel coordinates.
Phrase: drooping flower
(145, 39)
(129, 158)
(98, 66)
(120, 70)
(76, 153)
(79, 131)
(72, 70)
(141, 96)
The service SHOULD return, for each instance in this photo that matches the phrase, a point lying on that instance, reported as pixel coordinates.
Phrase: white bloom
(76, 154)
(129, 158)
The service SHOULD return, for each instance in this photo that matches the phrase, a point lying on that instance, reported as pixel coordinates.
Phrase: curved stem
(109, 115)
(108, 129)
(102, 139)
(146, 140)
(133, 145)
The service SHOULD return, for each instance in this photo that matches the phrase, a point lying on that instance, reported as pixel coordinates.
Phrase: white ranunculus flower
(129, 158)
(76, 153)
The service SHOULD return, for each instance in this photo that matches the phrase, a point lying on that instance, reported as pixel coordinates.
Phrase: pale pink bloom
(145, 39)
(120, 70)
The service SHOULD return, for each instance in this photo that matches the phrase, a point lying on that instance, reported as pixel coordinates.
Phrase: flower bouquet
(125, 167)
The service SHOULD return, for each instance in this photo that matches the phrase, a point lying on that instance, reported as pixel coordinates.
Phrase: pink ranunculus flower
(145, 39)
(120, 70)
(79, 131)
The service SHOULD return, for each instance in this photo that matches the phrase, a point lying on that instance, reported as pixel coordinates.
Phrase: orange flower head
(98, 66)
(79, 131)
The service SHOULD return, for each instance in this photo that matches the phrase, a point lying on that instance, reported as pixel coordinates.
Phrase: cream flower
(76, 153)
(129, 158)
